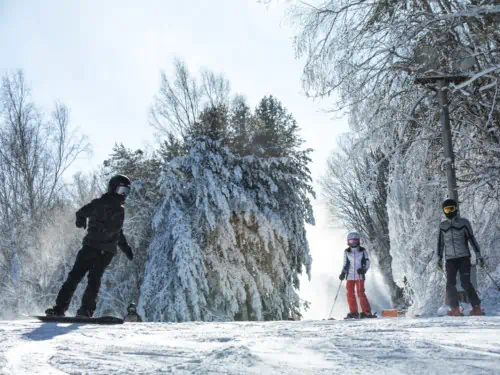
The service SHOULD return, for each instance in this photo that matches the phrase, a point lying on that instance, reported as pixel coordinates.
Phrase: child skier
(455, 233)
(105, 217)
(356, 263)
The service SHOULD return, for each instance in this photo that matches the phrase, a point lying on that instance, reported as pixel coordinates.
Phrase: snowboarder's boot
(54, 311)
(352, 315)
(476, 311)
(455, 311)
(364, 315)
(84, 313)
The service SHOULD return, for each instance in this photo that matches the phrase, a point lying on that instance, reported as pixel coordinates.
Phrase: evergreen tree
(276, 132)
(241, 123)
(213, 123)
(191, 228)
(171, 147)
(228, 244)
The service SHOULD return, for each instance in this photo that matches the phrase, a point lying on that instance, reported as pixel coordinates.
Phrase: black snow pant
(463, 266)
(88, 260)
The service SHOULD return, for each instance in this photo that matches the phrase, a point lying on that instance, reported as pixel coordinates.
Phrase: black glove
(342, 276)
(128, 252)
(81, 222)
(361, 271)
(481, 261)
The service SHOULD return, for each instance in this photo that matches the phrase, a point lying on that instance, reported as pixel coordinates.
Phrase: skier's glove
(81, 222)
(481, 261)
(361, 271)
(128, 252)
(342, 276)
(440, 265)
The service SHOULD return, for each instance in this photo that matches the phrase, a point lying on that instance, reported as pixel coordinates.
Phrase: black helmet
(131, 307)
(450, 208)
(119, 184)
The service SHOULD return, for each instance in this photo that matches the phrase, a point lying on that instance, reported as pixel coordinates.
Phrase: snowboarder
(455, 233)
(105, 217)
(356, 263)
(132, 315)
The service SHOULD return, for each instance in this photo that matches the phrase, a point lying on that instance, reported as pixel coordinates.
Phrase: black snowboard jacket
(105, 221)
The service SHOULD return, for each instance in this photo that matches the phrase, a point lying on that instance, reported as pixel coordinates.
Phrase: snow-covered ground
(468, 345)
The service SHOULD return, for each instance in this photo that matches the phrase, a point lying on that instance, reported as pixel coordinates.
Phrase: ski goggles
(353, 241)
(122, 190)
(449, 209)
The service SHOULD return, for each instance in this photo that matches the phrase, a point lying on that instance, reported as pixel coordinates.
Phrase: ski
(346, 318)
(78, 319)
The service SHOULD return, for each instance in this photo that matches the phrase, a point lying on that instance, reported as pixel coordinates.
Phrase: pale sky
(103, 60)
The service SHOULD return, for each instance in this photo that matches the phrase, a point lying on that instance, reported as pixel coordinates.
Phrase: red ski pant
(360, 291)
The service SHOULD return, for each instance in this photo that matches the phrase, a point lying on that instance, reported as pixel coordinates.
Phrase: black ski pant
(462, 266)
(88, 260)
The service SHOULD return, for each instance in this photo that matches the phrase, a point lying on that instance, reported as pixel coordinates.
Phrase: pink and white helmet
(353, 239)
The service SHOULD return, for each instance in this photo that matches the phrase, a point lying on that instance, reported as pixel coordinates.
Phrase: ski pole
(494, 282)
(335, 300)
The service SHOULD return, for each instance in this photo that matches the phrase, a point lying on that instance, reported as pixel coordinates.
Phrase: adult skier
(105, 216)
(132, 314)
(356, 263)
(455, 233)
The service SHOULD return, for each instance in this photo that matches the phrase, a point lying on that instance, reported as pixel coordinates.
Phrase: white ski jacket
(353, 260)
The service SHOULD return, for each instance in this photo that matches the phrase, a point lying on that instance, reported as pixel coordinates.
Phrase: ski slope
(467, 345)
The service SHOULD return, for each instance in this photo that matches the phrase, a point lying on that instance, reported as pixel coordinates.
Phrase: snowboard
(74, 319)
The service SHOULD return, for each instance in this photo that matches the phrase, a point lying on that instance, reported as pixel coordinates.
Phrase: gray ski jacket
(454, 238)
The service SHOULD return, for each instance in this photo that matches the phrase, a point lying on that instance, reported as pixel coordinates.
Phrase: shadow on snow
(48, 331)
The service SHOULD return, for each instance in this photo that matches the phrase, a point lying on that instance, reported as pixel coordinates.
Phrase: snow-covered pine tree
(223, 248)
(277, 236)
(229, 234)
(276, 138)
(229, 231)
(192, 233)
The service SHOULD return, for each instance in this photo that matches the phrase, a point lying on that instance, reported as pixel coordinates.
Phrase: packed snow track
(468, 345)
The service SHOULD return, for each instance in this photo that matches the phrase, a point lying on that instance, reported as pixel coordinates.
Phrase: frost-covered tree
(281, 188)
(35, 152)
(192, 224)
(355, 187)
(368, 54)
(229, 237)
